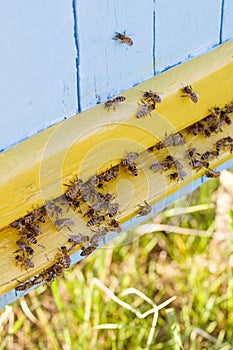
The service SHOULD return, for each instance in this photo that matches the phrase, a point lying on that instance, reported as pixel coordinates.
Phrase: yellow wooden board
(89, 143)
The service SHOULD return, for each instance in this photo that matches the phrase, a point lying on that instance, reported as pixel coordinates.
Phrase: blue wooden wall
(58, 57)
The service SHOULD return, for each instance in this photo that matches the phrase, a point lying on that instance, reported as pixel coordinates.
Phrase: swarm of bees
(97, 207)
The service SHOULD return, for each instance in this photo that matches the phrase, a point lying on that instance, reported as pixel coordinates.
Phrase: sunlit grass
(75, 313)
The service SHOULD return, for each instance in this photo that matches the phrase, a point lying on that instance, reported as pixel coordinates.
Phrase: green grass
(75, 313)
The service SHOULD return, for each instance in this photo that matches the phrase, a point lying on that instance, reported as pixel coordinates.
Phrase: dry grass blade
(27, 311)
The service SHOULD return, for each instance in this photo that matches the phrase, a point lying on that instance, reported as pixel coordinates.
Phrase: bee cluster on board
(97, 206)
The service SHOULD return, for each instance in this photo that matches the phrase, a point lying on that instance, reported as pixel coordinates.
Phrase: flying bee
(122, 38)
(65, 222)
(212, 174)
(113, 209)
(26, 262)
(25, 248)
(178, 175)
(203, 129)
(53, 209)
(188, 91)
(110, 174)
(133, 170)
(88, 250)
(113, 102)
(171, 140)
(129, 159)
(145, 109)
(208, 155)
(96, 220)
(144, 209)
(153, 96)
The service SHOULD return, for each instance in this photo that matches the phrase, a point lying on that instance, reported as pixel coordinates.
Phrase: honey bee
(225, 117)
(197, 163)
(73, 191)
(203, 130)
(26, 262)
(151, 149)
(144, 209)
(212, 174)
(193, 129)
(191, 153)
(24, 247)
(122, 38)
(129, 159)
(229, 108)
(153, 96)
(171, 140)
(24, 286)
(178, 175)
(156, 166)
(115, 225)
(35, 216)
(113, 209)
(53, 209)
(145, 109)
(208, 155)
(77, 240)
(65, 222)
(224, 142)
(133, 170)
(110, 174)
(63, 257)
(113, 102)
(96, 220)
(88, 250)
(188, 91)
(30, 237)
(88, 192)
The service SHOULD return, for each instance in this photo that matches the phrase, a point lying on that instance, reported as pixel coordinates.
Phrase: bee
(191, 153)
(178, 175)
(37, 215)
(151, 149)
(25, 248)
(193, 129)
(225, 117)
(144, 209)
(53, 209)
(145, 109)
(96, 238)
(115, 226)
(129, 159)
(30, 237)
(153, 96)
(110, 174)
(197, 163)
(96, 220)
(225, 141)
(113, 209)
(177, 164)
(122, 38)
(156, 166)
(203, 129)
(171, 140)
(63, 257)
(212, 174)
(77, 240)
(229, 108)
(88, 250)
(133, 170)
(73, 191)
(65, 222)
(24, 286)
(188, 91)
(88, 192)
(113, 102)
(26, 262)
(208, 155)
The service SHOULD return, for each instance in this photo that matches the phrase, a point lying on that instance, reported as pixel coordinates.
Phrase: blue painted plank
(108, 67)
(227, 26)
(185, 29)
(11, 296)
(37, 67)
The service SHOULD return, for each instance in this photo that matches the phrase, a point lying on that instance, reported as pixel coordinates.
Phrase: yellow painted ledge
(35, 170)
